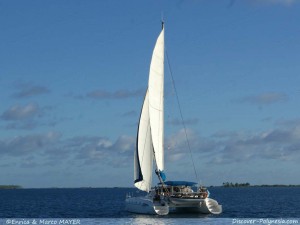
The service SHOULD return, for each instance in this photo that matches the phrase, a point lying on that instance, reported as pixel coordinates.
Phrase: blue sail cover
(162, 175)
(180, 183)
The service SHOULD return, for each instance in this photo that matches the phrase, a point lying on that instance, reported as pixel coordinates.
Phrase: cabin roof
(179, 183)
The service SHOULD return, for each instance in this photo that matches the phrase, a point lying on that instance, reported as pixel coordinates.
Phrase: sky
(73, 75)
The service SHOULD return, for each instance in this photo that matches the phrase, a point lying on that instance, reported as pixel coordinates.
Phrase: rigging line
(158, 175)
(183, 123)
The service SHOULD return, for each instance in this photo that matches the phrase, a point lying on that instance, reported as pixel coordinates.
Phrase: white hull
(141, 205)
(145, 205)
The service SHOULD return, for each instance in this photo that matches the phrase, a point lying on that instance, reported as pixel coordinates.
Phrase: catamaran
(167, 196)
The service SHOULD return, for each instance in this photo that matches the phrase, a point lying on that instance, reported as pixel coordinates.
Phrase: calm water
(109, 203)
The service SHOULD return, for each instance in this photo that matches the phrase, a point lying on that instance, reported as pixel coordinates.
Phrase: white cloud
(124, 143)
(279, 144)
(18, 112)
(29, 144)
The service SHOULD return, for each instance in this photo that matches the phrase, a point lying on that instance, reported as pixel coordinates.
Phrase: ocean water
(107, 204)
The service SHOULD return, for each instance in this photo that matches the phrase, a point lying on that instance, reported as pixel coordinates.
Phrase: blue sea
(106, 206)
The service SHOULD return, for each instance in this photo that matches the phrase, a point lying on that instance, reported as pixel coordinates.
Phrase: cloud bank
(81, 150)
(279, 144)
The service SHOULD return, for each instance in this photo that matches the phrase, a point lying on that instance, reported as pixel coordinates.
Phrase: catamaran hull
(185, 202)
(144, 205)
(139, 205)
(205, 206)
(202, 210)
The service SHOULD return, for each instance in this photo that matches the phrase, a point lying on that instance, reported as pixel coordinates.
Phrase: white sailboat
(168, 196)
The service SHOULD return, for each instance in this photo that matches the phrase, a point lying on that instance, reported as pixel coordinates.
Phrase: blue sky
(73, 76)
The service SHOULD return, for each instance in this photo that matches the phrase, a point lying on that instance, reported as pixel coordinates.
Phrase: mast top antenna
(162, 20)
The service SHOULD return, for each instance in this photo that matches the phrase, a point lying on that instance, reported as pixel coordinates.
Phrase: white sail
(156, 100)
(143, 158)
(151, 124)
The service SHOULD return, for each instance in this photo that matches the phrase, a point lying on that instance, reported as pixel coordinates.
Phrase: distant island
(10, 187)
(227, 184)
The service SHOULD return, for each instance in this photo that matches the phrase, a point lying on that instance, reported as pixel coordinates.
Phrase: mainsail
(156, 100)
(150, 135)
